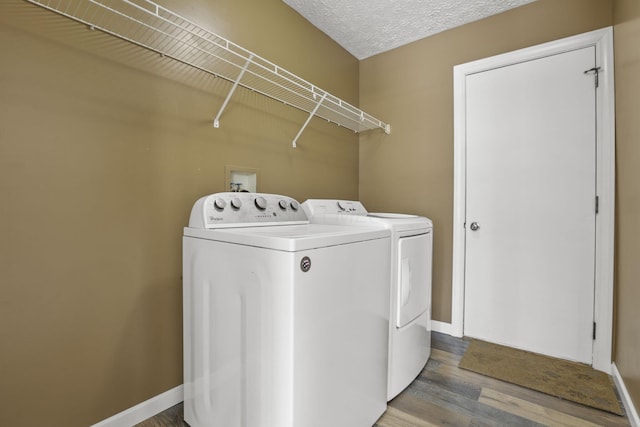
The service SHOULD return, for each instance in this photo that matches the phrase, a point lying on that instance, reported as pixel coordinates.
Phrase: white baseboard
(629, 407)
(144, 410)
(444, 328)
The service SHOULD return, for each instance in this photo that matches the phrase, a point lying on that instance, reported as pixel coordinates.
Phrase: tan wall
(627, 62)
(100, 162)
(411, 88)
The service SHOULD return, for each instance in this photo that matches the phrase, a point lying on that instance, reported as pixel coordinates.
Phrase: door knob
(474, 226)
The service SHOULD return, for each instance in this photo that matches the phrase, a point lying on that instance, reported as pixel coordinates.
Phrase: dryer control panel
(232, 209)
(323, 207)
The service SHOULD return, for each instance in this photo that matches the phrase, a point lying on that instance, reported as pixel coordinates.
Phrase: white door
(531, 196)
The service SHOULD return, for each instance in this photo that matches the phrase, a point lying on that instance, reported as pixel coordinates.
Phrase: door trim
(605, 182)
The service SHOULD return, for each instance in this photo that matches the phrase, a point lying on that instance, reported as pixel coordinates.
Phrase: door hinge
(597, 204)
(594, 330)
(596, 72)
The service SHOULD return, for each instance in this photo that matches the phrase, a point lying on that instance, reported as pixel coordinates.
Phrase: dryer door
(414, 277)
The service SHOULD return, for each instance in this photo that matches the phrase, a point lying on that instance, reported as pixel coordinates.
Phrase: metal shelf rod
(311, 114)
(216, 121)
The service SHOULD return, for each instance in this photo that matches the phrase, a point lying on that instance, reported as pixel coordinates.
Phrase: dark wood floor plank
(171, 417)
(463, 405)
(396, 418)
(600, 417)
(449, 344)
(445, 357)
(450, 383)
(429, 411)
(530, 410)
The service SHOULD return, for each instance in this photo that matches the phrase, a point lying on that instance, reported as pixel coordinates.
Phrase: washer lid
(291, 238)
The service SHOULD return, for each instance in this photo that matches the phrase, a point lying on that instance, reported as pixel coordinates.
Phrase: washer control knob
(219, 204)
(236, 203)
(261, 203)
(282, 204)
(342, 206)
(294, 205)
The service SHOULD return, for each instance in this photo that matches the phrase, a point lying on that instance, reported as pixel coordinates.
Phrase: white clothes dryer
(285, 322)
(410, 282)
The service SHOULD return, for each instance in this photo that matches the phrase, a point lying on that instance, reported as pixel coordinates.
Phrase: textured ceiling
(368, 27)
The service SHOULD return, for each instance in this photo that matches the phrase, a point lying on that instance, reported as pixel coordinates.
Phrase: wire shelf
(154, 27)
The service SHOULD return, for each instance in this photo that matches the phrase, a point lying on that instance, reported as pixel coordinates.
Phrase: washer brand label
(305, 264)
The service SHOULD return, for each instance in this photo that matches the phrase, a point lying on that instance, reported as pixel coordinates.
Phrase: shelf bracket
(311, 114)
(216, 121)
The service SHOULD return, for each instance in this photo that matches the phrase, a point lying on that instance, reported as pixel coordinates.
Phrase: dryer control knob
(294, 205)
(282, 204)
(261, 203)
(342, 206)
(219, 204)
(236, 203)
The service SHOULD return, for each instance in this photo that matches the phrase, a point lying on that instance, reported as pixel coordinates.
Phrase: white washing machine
(410, 279)
(285, 322)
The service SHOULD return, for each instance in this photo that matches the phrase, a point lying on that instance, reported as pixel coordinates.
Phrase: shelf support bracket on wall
(216, 121)
(311, 114)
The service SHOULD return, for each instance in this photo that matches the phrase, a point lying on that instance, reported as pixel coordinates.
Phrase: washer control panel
(233, 209)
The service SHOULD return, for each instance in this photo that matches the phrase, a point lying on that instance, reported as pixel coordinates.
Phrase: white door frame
(605, 182)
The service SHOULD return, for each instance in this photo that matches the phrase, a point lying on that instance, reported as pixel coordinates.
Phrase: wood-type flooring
(445, 395)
